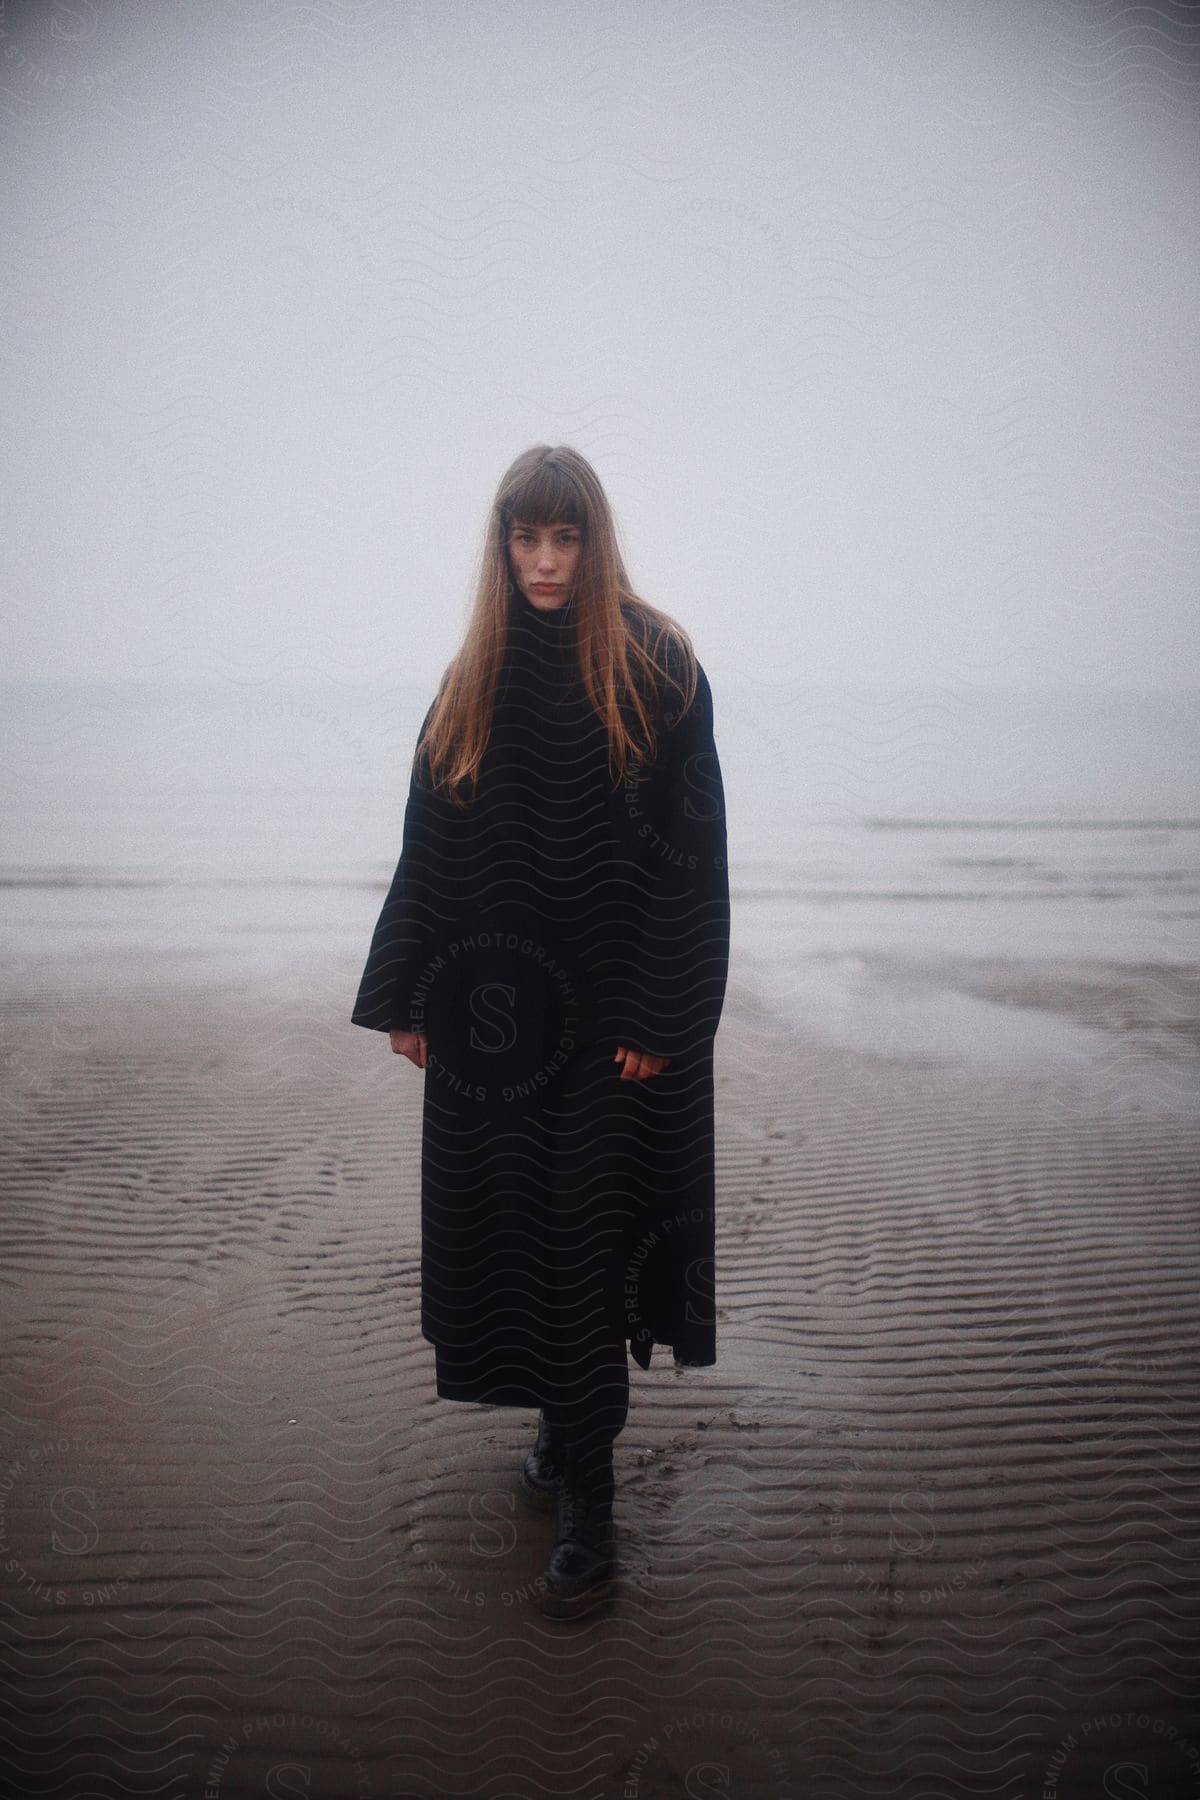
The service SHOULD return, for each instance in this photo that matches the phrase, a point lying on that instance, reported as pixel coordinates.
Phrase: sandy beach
(925, 1529)
(370, 365)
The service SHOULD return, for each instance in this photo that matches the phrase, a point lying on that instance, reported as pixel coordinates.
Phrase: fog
(877, 324)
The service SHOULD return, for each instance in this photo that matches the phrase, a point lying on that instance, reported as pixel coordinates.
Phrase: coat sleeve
(675, 990)
(390, 994)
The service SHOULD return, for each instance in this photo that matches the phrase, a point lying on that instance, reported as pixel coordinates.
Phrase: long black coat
(565, 1213)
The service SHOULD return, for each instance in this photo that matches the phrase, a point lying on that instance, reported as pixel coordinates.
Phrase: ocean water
(870, 828)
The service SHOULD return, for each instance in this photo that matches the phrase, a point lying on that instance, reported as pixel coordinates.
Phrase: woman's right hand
(409, 1043)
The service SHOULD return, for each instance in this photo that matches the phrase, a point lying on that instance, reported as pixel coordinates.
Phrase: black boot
(582, 1568)
(541, 1477)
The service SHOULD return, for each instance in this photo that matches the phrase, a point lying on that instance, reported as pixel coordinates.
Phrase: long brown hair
(624, 645)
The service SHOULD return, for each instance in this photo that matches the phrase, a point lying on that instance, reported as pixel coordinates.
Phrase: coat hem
(468, 1388)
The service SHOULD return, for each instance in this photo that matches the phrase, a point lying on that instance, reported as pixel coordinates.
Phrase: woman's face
(544, 559)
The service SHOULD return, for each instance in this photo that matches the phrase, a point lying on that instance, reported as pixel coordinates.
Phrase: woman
(553, 953)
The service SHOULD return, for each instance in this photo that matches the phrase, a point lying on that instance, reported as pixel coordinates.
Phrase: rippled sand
(924, 1531)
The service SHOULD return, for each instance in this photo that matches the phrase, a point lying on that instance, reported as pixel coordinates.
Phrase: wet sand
(925, 1530)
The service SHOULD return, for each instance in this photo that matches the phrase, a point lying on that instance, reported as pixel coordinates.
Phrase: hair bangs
(543, 495)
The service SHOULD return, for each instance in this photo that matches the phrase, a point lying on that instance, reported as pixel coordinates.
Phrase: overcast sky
(877, 321)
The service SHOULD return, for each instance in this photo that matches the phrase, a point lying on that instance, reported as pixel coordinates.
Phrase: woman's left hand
(638, 1064)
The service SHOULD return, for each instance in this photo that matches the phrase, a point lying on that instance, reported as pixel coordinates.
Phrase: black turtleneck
(549, 623)
(541, 659)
